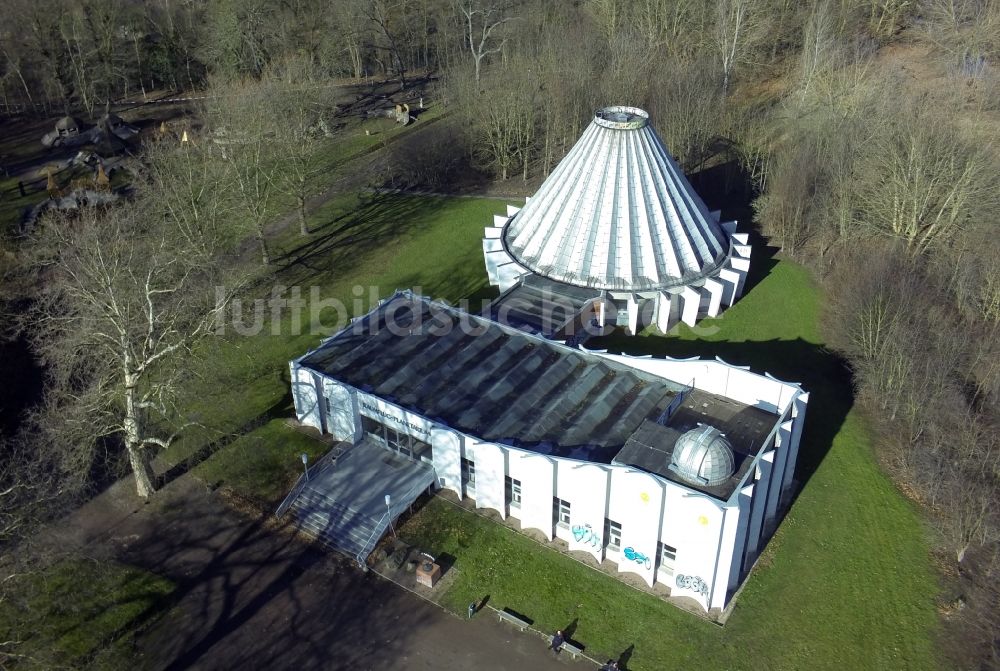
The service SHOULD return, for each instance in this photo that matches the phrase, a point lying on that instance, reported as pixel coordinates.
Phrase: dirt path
(253, 596)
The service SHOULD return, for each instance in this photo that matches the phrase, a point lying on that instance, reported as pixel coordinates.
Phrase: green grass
(352, 141)
(261, 463)
(81, 613)
(845, 583)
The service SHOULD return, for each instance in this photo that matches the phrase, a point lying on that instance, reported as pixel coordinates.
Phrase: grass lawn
(81, 613)
(845, 583)
(259, 462)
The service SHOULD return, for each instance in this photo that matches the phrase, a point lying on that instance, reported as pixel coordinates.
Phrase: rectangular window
(373, 428)
(513, 491)
(612, 535)
(469, 473)
(667, 556)
(560, 510)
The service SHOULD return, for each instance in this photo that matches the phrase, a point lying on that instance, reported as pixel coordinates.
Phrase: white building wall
(698, 528)
(798, 415)
(342, 414)
(725, 557)
(691, 304)
(537, 476)
(730, 280)
(717, 377)
(585, 487)
(636, 502)
(745, 502)
(782, 443)
(708, 536)
(714, 289)
(758, 510)
(306, 397)
(446, 446)
(491, 467)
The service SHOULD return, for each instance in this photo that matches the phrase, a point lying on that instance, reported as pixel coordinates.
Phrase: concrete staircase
(335, 524)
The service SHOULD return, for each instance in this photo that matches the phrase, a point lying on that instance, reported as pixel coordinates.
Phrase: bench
(571, 649)
(515, 620)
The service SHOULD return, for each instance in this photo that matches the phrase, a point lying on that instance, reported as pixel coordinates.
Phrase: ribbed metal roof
(617, 213)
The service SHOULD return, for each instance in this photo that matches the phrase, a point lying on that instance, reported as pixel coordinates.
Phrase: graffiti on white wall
(692, 582)
(585, 534)
(639, 558)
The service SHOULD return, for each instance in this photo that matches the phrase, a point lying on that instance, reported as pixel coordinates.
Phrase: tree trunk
(265, 254)
(303, 225)
(142, 470)
(137, 457)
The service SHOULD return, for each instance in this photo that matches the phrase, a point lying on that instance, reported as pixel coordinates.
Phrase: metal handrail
(383, 523)
(321, 465)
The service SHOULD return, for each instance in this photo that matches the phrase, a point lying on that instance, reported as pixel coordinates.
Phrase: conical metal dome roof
(618, 213)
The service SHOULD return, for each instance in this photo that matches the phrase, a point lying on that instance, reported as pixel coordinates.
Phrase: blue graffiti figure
(585, 534)
(638, 557)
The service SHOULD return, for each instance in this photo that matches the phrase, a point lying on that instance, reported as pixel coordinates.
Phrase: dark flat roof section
(496, 382)
(540, 306)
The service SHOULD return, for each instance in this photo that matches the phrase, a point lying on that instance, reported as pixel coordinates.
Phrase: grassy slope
(82, 613)
(845, 583)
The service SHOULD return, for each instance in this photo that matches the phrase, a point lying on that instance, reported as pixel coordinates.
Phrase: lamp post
(305, 464)
(388, 512)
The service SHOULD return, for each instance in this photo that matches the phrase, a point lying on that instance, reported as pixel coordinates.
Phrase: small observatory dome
(703, 456)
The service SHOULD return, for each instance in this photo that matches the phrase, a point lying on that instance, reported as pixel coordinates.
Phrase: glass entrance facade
(396, 440)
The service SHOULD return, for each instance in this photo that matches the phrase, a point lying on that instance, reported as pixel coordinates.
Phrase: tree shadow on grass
(277, 410)
(337, 246)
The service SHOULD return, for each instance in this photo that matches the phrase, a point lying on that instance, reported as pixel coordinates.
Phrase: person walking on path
(557, 641)
(610, 666)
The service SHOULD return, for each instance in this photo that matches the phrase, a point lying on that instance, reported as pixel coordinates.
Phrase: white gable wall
(585, 487)
(637, 504)
(491, 468)
(537, 475)
(305, 396)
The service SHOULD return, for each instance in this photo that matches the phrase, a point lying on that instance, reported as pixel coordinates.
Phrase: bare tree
(385, 16)
(193, 185)
(243, 123)
(738, 27)
(121, 304)
(964, 484)
(298, 101)
(921, 181)
(687, 100)
(481, 20)
(502, 133)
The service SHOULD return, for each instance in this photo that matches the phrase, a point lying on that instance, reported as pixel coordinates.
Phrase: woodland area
(865, 130)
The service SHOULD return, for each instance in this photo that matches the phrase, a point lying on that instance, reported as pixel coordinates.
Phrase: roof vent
(703, 456)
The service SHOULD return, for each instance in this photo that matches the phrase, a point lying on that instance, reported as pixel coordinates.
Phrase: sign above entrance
(374, 411)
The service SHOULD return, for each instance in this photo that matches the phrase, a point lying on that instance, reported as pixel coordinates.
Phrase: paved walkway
(253, 596)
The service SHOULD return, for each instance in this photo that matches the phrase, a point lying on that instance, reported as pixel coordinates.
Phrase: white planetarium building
(674, 470)
(618, 225)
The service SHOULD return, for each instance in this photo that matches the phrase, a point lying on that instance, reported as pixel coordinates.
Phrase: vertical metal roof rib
(617, 213)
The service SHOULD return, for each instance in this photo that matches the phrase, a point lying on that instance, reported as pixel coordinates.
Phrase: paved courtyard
(252, 596)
